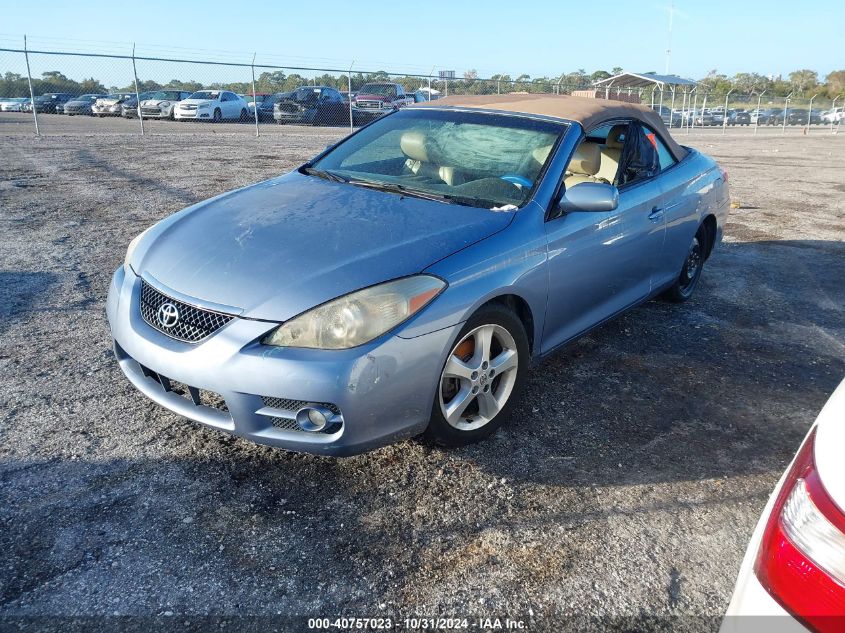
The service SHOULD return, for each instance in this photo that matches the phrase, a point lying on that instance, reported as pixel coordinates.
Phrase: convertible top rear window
(475, 158)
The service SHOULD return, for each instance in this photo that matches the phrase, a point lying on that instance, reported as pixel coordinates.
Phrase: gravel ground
(627, 486)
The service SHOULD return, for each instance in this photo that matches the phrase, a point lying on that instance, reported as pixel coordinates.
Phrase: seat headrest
(613, 137)
(413, 144)
(586, 160)
(540, 154)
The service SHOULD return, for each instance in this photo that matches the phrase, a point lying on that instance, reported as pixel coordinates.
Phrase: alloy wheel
(479, 377)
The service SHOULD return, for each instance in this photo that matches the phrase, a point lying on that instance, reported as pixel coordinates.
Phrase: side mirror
(589, 196)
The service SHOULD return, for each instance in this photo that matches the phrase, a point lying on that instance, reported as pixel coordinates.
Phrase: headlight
(359, 317)
(131, 249)
(164, 104)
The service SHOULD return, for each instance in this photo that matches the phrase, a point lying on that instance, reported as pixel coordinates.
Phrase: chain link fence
(161, 94)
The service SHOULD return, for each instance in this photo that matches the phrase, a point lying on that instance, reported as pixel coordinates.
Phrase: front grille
(193, 324)
(369, 105)
(150, 110)
(296, 405)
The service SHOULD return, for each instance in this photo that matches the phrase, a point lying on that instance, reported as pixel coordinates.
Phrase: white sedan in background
(12, 105)
(211, 105)
(795, 564)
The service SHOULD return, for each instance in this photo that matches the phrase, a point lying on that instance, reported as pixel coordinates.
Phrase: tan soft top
(587, 112)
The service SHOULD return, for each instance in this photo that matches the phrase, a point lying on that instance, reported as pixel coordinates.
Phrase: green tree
(803, 80)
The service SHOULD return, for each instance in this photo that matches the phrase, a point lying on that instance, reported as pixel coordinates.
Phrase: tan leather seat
(611, 153)
(584, 165)
(414, 146)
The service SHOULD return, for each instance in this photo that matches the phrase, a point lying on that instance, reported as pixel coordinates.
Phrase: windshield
(205, 94)
(473, 158)
(306, 94)
(388, 90)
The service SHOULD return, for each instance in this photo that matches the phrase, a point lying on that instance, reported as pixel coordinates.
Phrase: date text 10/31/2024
(418, 624)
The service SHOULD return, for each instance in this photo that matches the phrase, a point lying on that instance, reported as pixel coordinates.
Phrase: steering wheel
(519, 181)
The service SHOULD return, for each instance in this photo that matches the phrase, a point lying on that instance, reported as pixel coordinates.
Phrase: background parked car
(211, 105)
(13, 104)
(739, 117)
(759, 117)
(704, 118)
(265, 104)
(314, 105)
(833, 115)
(377, 99)
(670, 117)
(775, 116)
(110, 105)
(160, 104)
(49, 102)
(129, 108)
(82, 104)
(419, 96)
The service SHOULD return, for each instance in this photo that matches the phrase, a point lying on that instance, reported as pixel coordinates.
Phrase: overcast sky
(537, 37)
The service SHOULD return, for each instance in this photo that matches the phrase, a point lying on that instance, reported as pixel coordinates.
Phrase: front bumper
(106, 110)
(383, 390)
(193, 114)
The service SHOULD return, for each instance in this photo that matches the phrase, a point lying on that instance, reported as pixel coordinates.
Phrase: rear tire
(690, 274)
(482, 378)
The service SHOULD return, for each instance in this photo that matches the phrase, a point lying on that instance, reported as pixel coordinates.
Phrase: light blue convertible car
(403, 280)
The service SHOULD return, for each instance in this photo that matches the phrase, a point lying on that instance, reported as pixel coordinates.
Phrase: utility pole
(669, 49)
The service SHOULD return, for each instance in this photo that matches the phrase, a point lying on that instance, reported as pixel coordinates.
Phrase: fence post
(137, 92)
(785, 112)
(672, 108)
(31, 93)
(254, 96)
(810, 114)
(725, 113)
(832, 108)
(349, 78)
(757, 120)
(660, 107)
(691, 125)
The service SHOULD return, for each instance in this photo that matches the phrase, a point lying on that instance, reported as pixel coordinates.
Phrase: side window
(663, 153)
(610, 137)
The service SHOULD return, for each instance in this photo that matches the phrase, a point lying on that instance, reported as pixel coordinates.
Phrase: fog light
(313, 418)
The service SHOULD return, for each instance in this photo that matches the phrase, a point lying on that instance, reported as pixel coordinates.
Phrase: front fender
(511, 262)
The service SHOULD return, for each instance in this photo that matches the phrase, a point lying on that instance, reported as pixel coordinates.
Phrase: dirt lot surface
(627, 486)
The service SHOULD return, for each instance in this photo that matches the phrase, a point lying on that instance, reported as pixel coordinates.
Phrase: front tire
(481, 379)
(217, 116)
(690, 274)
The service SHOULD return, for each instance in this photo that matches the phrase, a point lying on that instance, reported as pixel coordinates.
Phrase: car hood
(280, 247)
(196, 102)
(157, 102)
(78, 103)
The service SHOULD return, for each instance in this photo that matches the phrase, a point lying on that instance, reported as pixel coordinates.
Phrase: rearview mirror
(589, 196)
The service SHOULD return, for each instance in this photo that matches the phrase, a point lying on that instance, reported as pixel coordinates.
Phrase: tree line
(800, 83)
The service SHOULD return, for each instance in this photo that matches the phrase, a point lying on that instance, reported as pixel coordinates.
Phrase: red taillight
(801, 561)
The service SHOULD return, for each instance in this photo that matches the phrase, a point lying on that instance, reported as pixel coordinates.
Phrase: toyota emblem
(168, 315)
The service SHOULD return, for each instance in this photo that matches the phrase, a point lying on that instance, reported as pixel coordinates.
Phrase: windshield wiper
(322, 173)
(404, 190)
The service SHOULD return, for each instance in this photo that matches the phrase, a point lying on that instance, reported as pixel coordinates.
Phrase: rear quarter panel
(692, 190)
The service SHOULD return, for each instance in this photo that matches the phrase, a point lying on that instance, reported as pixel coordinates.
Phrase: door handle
(656, 214)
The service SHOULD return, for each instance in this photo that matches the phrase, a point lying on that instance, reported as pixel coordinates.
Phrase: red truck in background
(377, 99)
